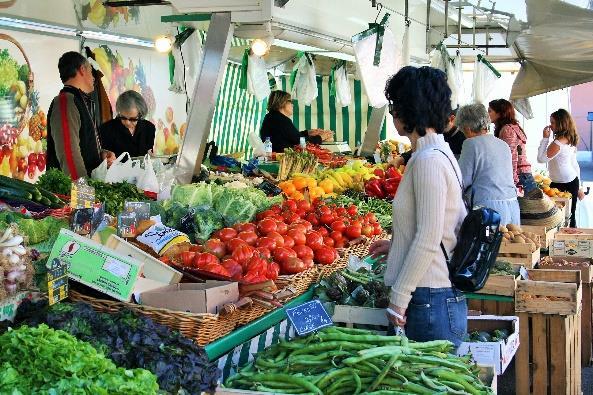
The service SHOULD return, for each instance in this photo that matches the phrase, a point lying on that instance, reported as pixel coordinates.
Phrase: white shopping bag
(342, 87)
(484, 81)
(257, 78)
(100, 172)
(148, 180)
(305, 84)
(374, 77)
(119, 171)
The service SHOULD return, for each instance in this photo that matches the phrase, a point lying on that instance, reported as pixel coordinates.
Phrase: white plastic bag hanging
(439, 58)
(405, 58)
(484, 79)
(456, 78)
(178, 83)
(147, 180)
(119, 171)
(100, 172)
(374, 77)
(342, 86)
(304, 88)
(257, 78)
(192, 56)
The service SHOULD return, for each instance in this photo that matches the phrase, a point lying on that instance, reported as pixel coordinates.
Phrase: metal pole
(459, 9)
(428, 26)
(591, 138)
(446, 19)
(487, 39)
(474, 29)
(371, 136)
(201, 112)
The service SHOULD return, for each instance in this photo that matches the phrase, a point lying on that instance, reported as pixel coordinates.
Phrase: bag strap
(462, 190)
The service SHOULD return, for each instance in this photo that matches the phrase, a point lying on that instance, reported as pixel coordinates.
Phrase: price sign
(308, 317)
(57, 281)
(82, 195)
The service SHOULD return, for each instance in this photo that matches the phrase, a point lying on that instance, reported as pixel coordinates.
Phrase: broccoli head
(206, 221)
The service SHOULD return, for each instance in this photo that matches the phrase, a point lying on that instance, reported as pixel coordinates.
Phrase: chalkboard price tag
(57, 281)
(308, 317)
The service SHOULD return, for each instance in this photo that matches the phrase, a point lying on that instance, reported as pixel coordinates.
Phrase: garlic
(14, 259)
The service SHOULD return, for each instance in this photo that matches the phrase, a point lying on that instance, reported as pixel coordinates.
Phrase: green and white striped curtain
(237, 113)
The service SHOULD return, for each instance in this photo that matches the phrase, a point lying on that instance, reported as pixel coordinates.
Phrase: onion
(12, 276)
(14, 259)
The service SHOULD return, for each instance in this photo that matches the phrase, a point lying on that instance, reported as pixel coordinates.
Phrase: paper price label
(81, 195)
(57, 281)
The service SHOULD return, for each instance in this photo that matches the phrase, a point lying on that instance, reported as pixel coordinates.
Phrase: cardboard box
(100, 267)
(359, 315)
(496, 354)
(152, 269)
(572, 248)
(197, 298)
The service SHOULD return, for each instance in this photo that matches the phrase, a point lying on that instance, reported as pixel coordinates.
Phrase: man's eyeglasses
(122, 118)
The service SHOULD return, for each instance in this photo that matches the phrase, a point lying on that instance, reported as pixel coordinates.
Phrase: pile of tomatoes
(286, 239)
(325, 156)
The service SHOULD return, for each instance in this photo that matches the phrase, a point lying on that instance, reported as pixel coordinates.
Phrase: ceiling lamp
(163, 44)
(261, 46)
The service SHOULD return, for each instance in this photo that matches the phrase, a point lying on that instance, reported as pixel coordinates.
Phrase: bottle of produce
(268, 149)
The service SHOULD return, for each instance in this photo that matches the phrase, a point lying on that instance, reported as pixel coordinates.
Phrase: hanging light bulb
(163, 44)
(259, 47)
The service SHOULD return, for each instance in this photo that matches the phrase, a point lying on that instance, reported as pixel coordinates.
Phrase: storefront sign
(308, 317)
(57, 281)
(96, 266)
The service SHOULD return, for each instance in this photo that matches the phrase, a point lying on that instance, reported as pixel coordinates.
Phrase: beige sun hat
(541, 212)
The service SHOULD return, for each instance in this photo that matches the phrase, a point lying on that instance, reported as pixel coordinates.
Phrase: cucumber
(36, 192)
(6, 192)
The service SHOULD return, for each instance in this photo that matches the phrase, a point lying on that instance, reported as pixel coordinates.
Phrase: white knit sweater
(427, 209)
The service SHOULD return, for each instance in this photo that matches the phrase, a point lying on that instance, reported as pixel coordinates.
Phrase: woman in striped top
(506, 128)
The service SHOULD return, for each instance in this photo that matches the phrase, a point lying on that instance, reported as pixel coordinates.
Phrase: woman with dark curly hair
(507, 128)
(427, 210)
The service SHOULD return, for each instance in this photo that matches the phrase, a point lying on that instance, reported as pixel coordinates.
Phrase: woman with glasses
(427, 212)
(129, 131)
(278, 126)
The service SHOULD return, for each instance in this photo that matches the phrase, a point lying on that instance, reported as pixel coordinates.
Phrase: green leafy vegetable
(43, 360)
(35, 231)
(206, 221)
(55, 181)
(131, 341)
(115, 195)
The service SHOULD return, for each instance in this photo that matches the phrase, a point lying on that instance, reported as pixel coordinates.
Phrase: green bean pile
(355, 361)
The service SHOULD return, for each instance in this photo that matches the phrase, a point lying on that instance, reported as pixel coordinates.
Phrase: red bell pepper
(391, 172)
(373, 189)
(390, 185)
(379, 173)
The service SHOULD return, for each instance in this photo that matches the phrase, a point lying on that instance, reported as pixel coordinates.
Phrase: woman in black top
(278, 126)
(128, 132)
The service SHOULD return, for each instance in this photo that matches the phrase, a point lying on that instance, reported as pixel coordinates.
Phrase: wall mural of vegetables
(23, 124)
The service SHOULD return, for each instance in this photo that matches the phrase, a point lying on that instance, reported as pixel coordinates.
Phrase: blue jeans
(437, 314)
(527, 182)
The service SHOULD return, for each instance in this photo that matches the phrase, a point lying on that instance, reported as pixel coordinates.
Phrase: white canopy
(556, 50)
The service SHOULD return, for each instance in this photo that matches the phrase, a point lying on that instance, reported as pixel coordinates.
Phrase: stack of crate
(548, 305)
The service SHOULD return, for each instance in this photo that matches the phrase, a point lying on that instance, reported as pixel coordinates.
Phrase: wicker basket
(361, 250)
(299, 282)
(202, 328)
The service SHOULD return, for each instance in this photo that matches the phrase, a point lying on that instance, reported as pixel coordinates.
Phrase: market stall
(217, 268)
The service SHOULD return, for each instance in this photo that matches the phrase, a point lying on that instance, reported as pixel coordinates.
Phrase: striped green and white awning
(237, 113)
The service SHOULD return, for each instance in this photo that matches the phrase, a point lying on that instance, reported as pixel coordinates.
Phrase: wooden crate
(500, 285)
(545, 234)
(491, 307)
(568, 234)
(587, 313)
(518, 254)
(549, 357)
(529, 296)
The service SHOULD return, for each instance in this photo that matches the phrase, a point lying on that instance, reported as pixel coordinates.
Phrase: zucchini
(6, 192)
(37, 193)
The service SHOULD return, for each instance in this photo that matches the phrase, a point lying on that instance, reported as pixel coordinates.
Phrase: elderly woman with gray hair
(129, 131)
(486, 165)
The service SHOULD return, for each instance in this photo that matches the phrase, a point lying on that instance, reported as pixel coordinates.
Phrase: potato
(533, 247)
(518, 240)
(511, 234)
(514, 228)
(503, 229)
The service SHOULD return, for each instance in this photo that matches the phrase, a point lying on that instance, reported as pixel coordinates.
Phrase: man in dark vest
(73, 140)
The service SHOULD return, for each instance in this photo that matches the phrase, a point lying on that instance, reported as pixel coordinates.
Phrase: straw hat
(542, 212)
